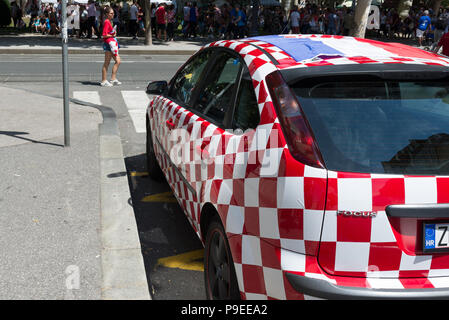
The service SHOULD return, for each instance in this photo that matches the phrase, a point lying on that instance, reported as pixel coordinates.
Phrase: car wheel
(219, 273)
(153, 168)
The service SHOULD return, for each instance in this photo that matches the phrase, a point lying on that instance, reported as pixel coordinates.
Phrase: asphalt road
(166, 236)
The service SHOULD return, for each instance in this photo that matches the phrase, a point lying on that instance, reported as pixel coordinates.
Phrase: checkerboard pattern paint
(282, 216)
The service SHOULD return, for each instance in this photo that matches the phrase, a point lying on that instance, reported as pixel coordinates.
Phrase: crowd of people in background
(228, 21)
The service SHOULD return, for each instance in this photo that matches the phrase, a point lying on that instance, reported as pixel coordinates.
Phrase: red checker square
(251, 225)
(312, 265)
(262, 94)
(440, 261)
(327, 256)
(240, 47)
(268, 192)
(443, 190)
(384, 256)
(253, 279)
(332, 194)
(290, 292)
(353, 229)
(386, 192)
(197, 171)
(416, 283)
(254, 164)
(270, 253)
(268, 114)
(210, 169)
(314, 193)
(289, 167)
(238, 192)
(291, 223)
(228, 166)
(311, 247)
(235, 244)
(255, 53)
(413, 273)
(255, 64)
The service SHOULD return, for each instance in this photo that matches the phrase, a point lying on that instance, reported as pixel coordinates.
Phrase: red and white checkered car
(310, 166)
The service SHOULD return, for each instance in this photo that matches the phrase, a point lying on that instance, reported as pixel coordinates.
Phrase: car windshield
(378, 126)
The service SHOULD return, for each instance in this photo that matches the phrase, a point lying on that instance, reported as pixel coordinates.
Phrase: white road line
(88, 96)
(137, 102)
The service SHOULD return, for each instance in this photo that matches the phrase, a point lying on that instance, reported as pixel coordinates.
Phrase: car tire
(219, 273)
(153, 168)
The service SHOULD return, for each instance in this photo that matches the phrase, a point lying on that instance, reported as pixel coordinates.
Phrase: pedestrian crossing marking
(160, 197)
(192, 260)
(137, 103)
(87, 96)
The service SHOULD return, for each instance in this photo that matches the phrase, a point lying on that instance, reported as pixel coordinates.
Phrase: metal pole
(65, 74)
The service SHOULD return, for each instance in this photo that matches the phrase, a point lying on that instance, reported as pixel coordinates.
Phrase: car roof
(294, 51)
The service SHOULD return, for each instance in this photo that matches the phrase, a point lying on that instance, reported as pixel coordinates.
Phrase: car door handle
(170, 124)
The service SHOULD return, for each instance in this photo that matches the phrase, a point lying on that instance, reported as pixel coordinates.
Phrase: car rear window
(371, 125)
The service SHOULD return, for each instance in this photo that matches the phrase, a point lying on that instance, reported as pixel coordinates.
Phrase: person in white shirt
(133, 27)
(294, 21)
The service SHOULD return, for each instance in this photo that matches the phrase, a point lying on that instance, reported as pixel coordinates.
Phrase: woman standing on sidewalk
(110, 47)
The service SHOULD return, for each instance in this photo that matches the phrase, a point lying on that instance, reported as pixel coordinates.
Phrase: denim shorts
(111, 46)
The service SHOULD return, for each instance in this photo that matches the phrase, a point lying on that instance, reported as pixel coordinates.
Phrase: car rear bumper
(326, 290)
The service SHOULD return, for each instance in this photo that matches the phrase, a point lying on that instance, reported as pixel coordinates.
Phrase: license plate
(436, 236)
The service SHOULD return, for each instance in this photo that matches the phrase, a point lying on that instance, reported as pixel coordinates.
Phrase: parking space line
(160, 197)
(185, 261)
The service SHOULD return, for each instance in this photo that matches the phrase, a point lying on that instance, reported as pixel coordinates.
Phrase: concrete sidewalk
(32, 43)
(68, 231)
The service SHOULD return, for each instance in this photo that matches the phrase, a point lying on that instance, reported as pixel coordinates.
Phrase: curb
(96, 51)
(124, 276)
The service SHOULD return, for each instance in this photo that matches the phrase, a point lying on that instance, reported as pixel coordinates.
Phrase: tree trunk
(148, 37)
(362, 10)
(436, 6)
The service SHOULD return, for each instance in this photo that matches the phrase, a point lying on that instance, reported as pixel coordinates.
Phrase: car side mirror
(157, 87)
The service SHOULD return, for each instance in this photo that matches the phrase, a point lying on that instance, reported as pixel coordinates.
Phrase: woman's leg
(115, 66)
(104, 71)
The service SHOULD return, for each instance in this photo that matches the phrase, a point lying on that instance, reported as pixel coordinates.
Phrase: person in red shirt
(110, 47)
(161, 20)
(444, 42)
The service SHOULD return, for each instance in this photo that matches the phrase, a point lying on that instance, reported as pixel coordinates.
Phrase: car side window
(216, 96)
(188, 78)
(246, 114)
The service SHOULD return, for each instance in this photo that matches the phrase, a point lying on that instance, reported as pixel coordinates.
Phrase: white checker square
(313, 220)
(251, 196)
(354, 194)
(415, 262)
(352, 256)
(420, 190)
(274, 283)
(235, 219)
(268, 223)
(381, 228)
(329, 233)
(251, 253)
(312, 172)
(224, 196)
(293, 245)
(290, 192)
(292, 261)
(270, 162)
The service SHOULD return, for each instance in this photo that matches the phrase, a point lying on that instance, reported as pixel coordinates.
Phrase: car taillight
(296, 130)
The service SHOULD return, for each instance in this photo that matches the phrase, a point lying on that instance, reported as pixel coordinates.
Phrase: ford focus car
(310, 166)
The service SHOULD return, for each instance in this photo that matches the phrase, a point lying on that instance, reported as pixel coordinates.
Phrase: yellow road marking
(160, 197)
(185, 261)
(138, 174)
